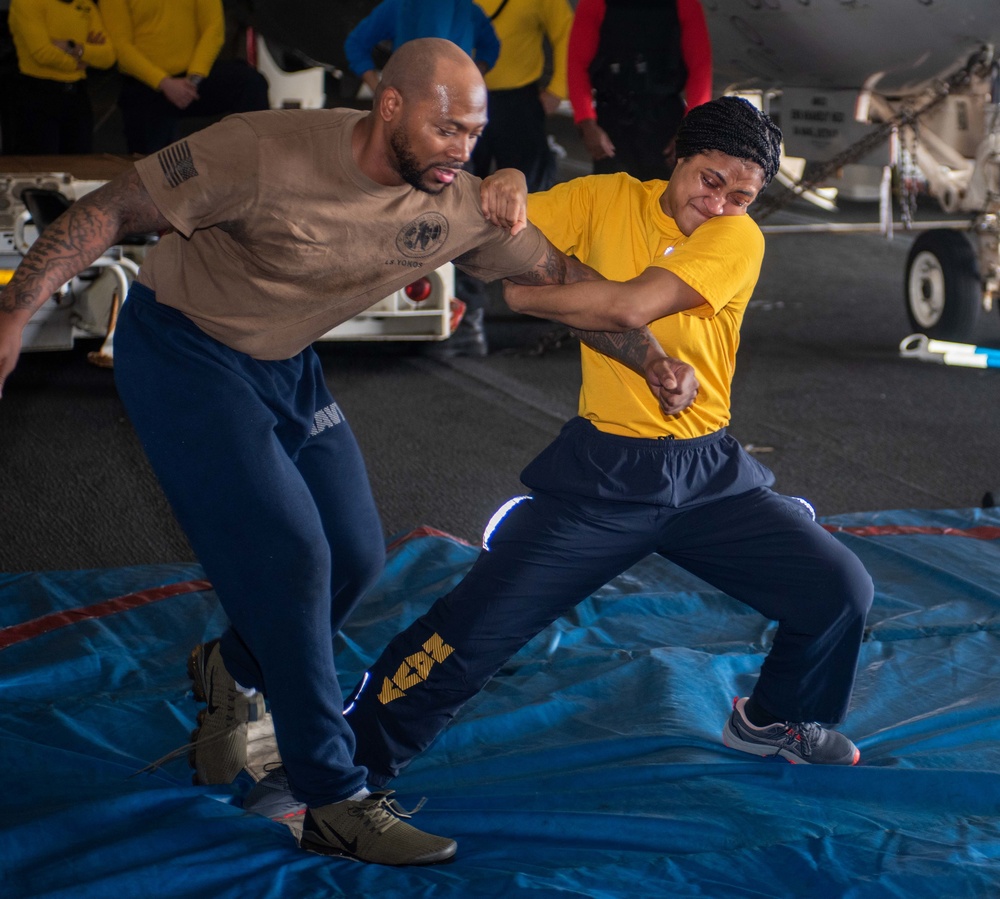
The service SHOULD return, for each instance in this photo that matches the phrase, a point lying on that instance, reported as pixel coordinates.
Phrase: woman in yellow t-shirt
(623, 481)
(55, 42)
(168, 54)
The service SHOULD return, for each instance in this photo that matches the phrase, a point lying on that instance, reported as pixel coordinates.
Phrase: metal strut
(982, 61)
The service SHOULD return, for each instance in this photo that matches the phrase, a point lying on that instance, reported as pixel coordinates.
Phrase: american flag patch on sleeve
(177, 163)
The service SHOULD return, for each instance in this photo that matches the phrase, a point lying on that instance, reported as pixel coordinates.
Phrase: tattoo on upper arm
(134, 206)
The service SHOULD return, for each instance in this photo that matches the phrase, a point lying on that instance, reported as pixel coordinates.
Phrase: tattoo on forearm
(555, 267)
(550, 269)
(579, 271)
(628, 347)
(71, 243)
(55, 257)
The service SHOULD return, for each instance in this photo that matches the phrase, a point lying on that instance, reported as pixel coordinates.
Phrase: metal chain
(909, 174)
(906, 118)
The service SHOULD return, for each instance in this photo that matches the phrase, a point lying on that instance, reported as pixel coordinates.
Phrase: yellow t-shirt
(157, 39)
(522, 26)
(34, 24)
(615, 224)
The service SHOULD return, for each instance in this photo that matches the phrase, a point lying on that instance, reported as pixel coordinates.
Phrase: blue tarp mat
(591, 766)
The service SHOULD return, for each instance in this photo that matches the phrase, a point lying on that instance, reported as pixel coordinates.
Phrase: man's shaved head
(429, 110)
(421, 68)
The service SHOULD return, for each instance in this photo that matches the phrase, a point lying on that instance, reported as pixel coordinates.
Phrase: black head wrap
(735, 127)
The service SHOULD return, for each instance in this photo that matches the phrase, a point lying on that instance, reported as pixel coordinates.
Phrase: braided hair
(735, 127)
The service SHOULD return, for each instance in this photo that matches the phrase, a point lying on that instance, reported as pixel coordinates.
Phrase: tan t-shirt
(280, 237)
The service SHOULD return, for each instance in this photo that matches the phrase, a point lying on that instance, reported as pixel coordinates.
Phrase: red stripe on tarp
(983, 532)
(424, 531)
(17, 633)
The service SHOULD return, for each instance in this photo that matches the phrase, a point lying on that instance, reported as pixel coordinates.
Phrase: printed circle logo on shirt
(423, 235)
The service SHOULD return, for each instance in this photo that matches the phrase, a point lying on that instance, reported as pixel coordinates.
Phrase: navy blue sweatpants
(265, 477)
(600, 503)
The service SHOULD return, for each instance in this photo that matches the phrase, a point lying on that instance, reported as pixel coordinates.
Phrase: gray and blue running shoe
(799, 743)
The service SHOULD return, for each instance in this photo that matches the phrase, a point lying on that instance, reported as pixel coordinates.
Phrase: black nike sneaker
(371, 830)
(218, 750)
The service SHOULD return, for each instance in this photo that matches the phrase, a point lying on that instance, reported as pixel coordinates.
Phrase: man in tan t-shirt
(280, 225)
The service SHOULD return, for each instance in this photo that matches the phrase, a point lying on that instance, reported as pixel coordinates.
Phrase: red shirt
(584, 37)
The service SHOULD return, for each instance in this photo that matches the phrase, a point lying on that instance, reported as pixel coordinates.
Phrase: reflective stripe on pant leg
(544, 557)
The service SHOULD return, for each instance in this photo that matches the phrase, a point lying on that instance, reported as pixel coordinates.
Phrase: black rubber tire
(942, 289)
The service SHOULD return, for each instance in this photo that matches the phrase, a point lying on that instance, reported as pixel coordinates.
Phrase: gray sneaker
(371, 830)
(798, 743)
(272, 797)
(219, 744)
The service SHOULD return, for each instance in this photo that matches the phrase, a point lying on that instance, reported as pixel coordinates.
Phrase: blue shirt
(460, 21)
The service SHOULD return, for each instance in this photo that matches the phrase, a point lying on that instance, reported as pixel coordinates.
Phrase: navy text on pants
(607, 502)
(265, 477)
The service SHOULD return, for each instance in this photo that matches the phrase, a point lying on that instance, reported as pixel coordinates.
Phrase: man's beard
(407, 166)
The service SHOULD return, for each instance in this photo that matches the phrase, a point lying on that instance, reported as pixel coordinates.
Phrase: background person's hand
(596, 140)
(550, 101)
(179, 91)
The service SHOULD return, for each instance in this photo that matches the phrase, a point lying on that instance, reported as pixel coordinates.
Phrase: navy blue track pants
(608, 502)
(265, 477)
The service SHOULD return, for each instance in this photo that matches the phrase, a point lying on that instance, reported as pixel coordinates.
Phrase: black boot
(468, 339)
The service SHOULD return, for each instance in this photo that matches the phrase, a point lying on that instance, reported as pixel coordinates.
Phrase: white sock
(246, 691)
(748, 722)
(363, 793)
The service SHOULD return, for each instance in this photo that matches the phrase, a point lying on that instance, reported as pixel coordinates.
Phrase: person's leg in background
(641, 130)
(652, 139)
(149, 119)
(35, 128)
(9, 75)
(49, 118)
(232, 86)
(469, 338)
(514, 137)
(76, 133)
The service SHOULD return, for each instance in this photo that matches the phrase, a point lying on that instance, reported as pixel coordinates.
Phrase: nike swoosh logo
(350, 845)
(211, 693)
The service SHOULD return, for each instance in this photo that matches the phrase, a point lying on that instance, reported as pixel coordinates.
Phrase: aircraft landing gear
(943, 290)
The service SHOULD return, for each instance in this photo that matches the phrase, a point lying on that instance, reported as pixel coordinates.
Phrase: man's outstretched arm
(612, 305)
(672, 382)
(65, 248)
(545, 291)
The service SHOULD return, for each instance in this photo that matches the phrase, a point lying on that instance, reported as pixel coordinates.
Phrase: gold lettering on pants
(414, 669)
